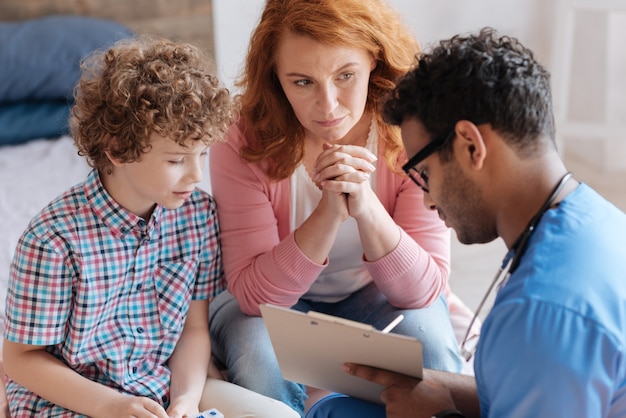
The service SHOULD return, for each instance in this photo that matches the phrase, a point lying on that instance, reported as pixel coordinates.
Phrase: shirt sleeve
(210, 275)
(260, 266)
(416, 272)
(39, 292)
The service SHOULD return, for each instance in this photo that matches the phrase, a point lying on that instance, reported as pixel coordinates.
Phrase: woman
(314, 214)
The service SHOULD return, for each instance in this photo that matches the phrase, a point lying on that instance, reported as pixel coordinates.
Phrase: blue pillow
(23, 121)
(41, 57)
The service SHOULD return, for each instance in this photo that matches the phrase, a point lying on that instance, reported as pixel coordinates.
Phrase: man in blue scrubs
(477, 121)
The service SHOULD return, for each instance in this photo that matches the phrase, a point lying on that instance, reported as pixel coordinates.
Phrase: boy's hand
(136, 407)
(181, 407)
(4, 404)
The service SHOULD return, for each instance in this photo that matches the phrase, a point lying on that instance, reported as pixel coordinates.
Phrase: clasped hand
(143, 407)
(343, 171)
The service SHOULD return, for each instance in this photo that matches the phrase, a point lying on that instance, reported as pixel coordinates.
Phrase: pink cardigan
(263, 264)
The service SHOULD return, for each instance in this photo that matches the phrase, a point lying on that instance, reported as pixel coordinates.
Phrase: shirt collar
(119, 220)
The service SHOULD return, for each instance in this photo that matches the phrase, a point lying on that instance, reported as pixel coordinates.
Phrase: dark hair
(482, 78)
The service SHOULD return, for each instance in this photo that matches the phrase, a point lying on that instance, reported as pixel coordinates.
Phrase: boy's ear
(111, 146)
(471, 144)
(115, 161)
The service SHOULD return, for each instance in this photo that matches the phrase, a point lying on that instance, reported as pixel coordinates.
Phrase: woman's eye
(302, 82)
(346, 76)
(177, 161)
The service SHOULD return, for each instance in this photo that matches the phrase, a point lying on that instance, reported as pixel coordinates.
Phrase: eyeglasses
(419, 177)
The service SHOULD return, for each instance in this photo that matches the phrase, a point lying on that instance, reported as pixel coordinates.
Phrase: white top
(345, 272)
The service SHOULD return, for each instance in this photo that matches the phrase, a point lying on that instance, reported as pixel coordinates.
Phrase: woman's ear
(373, 64)
(471, 144)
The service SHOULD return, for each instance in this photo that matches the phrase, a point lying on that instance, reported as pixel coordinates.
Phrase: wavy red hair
(371, 25)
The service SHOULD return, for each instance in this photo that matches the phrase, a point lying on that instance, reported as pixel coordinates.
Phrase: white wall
(429, 20)
(597, 88)
(233, 20)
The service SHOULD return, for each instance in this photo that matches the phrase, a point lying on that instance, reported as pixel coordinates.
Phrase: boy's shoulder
(62, 210)
(200, 193)
(200, 200)
(72, 211)
(199, 209)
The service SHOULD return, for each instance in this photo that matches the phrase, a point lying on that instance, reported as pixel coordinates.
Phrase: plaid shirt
(107, 292)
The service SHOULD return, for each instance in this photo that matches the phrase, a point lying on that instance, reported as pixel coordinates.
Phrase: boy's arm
(40, 372)
(4, 405)
(189, 363)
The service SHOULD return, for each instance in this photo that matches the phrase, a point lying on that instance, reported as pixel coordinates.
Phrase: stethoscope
(511, 260)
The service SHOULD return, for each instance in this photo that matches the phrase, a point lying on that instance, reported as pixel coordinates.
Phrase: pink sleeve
(262, 262)
(416, 272)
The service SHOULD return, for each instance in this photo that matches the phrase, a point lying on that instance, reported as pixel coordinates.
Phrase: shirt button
(138, 286)
(134, 369)
(141, 223)
(140, 330)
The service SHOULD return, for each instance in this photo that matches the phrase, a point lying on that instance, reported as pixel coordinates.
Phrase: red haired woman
(313, 210)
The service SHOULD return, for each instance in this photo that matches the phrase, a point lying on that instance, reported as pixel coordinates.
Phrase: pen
(393, 324)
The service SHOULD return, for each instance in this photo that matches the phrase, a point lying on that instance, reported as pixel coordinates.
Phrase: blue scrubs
(554, 343)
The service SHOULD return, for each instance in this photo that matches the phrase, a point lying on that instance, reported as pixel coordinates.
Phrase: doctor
(476, 115)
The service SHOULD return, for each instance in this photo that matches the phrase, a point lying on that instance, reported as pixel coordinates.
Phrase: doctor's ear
(471, 143)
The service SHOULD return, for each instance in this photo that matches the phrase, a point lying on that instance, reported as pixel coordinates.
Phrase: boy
(107, 306)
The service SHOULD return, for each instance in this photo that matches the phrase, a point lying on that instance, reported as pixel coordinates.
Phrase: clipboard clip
(337, 320)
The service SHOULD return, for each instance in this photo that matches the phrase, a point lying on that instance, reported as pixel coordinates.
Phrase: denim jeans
(242, 343)
(341, 406)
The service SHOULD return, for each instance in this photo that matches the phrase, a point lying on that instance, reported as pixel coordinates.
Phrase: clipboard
(312, 347)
